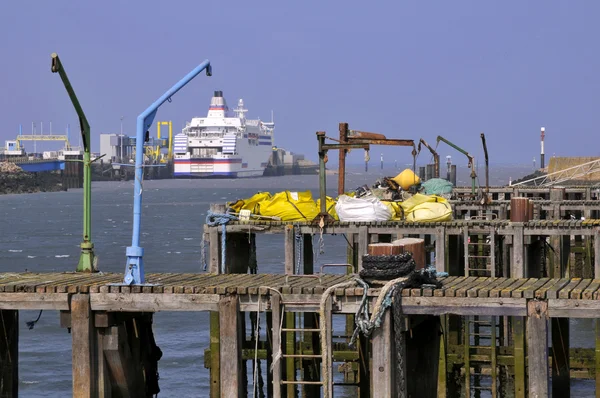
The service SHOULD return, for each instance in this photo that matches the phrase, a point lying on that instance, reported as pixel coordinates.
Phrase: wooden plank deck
(454, 227)
(201, 292)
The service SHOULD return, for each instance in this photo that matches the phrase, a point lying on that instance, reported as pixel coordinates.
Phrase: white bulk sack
(367, 208)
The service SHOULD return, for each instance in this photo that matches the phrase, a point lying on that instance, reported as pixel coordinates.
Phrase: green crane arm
(87, 258)
(459, 149)
(85, 126)
(469, 156)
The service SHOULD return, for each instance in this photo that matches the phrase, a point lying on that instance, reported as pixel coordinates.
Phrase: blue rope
(431, 269)
(215, 219)
(362, 319)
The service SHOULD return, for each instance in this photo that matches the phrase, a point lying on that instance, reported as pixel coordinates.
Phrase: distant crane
(469, 156)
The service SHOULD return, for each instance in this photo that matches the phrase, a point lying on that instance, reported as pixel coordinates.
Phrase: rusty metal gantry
(436, 157)
(349, 139)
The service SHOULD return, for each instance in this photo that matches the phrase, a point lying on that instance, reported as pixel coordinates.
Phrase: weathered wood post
(276, 347)
(363, 244)
(518, 323)
(537, 348)
(290, 249)
(9, 353)
(382, 365)
(214, 236)
(84, 347)
(232, 384)
(440, 249)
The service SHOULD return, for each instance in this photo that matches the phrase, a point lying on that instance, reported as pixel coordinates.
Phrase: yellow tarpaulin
(289, 206)
(250, 203)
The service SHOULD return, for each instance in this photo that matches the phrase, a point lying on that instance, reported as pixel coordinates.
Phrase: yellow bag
(406, 179)
(427, 208)
(250, 203)
(329, 206)
(289, 206)
(395, 208)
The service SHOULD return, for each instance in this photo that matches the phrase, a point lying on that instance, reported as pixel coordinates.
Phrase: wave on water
(31, 256)
(188, 238)
(15, 250)
(62, 255)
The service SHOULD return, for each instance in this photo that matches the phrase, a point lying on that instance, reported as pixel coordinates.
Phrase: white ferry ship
(221, 145)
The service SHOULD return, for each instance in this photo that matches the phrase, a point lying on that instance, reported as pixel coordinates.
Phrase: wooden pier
(511, 285)
(97, 312)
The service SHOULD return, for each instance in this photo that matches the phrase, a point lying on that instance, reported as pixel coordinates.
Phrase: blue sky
(404, 69)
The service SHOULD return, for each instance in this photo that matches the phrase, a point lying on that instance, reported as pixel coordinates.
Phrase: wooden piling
(126, 374)
(517, 266)
(215, 357)
(537, 348)
(231, 347)
(214, 237)
(289, 247)
(597, 253)
(382, 365)
(276, 333)
(416, 247)
(597, 357)
(363, 245)
(9, 353)
(214, 251)
(518, 335)
(84, 347)
(440, 250)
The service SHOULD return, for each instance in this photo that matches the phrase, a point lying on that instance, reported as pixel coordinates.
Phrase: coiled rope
(215, 219)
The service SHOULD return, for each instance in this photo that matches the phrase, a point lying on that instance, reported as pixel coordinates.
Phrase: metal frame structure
(170, 142)
(559, 177)
(42, 137)
(87, 258)
(349, 139)
(134, 268)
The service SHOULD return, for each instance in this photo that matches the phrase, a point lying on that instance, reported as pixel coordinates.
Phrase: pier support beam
(518, 265)
(232, 384)
(215, 357)
(537, 348)
(440, 250)
(363, 245)
(84, 347)
(518, 335)
(382, 368)
(290, 249)
(9, 353)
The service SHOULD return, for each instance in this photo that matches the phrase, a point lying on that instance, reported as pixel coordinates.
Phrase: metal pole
(134, 269)
(87, 257)
(322, 176)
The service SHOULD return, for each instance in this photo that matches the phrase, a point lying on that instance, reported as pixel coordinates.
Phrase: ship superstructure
(223, 145)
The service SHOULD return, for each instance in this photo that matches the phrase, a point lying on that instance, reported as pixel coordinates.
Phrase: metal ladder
(294, 353)
(480, 258)
(481, 335)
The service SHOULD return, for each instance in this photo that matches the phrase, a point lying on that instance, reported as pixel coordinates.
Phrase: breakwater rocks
(14, 180)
